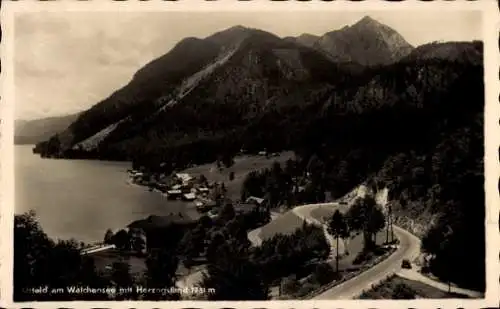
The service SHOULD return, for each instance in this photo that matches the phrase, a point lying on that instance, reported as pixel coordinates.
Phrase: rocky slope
(367, 42)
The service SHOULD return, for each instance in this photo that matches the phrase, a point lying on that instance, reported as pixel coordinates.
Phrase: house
(184, 177)
(203, 190)
(189, 196)
(204, 206)
(254, 200)
(137, 175)
(174, 194)
(262, 153)
(244, 208)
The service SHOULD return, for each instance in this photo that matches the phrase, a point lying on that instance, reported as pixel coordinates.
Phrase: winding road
(409, 248)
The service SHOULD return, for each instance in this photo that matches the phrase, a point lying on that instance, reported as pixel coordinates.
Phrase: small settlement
(185, 187)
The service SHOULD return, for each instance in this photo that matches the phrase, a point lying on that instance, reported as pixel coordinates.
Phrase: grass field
(289, 222)
(325, 212)
(286, 224)
(242, 166)
(422, 290)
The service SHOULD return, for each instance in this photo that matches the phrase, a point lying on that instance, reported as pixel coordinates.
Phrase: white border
(492, 112)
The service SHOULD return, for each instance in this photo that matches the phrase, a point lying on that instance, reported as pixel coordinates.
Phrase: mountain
(367, 42)
(465, 52)
(307, 39)
(228, 89)
(200, 88)
(38, 130)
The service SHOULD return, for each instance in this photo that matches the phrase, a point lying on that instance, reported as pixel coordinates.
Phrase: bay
(81, 199)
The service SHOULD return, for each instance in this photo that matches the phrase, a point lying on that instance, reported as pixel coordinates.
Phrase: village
(197, 190)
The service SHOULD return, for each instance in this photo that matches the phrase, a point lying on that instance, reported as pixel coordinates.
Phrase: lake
(81, 199)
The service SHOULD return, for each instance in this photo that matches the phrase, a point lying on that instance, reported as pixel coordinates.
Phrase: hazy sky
(66, 62)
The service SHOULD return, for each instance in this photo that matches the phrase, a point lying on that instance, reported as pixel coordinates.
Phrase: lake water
(81, 199)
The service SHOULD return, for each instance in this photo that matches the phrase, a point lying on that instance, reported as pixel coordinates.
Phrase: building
(189, 196)
(174, 194)
(244, 208)
(184, 177)
(203, 190)
(204, 206)
(254, 200)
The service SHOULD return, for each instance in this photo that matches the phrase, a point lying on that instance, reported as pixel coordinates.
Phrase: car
(406, 264)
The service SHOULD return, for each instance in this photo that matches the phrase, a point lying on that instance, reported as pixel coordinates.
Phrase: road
(409, 248)
(413, 274)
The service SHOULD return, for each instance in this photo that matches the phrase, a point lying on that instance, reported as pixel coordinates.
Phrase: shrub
(289, 285)
(307, 288)
(402, 291)
(323, 273)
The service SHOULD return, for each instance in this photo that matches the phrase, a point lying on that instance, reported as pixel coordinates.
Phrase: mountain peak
(307, 39)
(237, 28)
(231, 35)
(367, 42)
(367, 20)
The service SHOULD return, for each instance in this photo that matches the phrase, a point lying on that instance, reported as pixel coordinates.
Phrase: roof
(174, 191)
(184, 176)
(258, 200)
(203, 189)
(244, 208)
(190, 195)
(176, 187)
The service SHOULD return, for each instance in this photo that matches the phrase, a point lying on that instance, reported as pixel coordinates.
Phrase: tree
(121, 278)
(137, 241)
(31, 255)
(234, 276)
(376, 222)
(122, 240)
(365, 216)
(216, 241)
(289, 285)
(192, 244)
(161, 268)
(402, 291)
(227, 160)
(324, 273)
(337, 226)
(38, 261)
(203, 180)
(108, 237)
(227, 213)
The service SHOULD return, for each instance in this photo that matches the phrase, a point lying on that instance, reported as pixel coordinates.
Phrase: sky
(65, 62)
